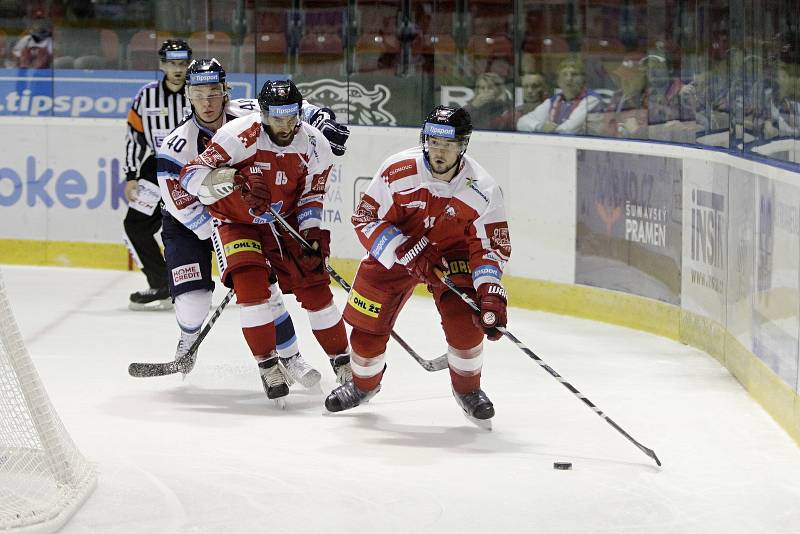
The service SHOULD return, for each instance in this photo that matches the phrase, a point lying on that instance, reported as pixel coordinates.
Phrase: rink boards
(694, 244)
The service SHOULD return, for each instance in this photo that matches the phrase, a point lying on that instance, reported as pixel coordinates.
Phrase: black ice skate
(151, 299)
(341, 367)
(477, 407)
(274, 381)
(296, 369)
(348, 396)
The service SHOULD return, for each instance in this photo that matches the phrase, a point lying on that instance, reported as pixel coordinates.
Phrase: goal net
(43, 476)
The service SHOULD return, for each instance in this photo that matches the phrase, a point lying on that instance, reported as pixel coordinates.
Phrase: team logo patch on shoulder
(401, 169)
(499, 237)
(366, 211)
(250, 135)
(213, 156)
(180, 197)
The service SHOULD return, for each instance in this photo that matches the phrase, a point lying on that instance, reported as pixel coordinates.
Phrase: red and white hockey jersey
(405, 201)
(184, 144)
(297, 174)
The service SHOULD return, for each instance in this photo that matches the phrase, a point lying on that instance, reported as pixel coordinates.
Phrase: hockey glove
(255, 193)
(492, 302)
(324, 120)
(422, 258)
(320, 241)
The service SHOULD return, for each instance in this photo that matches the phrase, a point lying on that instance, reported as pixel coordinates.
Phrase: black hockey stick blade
(141, 370)
(144, 369)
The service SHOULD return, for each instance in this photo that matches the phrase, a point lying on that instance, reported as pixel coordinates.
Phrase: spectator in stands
(625, 114)
(566, 111)
(534, 92)
(783, 118)
(491, 103)
(34, 50)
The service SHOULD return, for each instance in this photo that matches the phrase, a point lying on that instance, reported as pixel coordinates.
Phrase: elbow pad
(217, 184)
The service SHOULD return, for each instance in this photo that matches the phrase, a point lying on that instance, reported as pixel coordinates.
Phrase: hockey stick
(437, 364)
(176, 366)
(471, 303)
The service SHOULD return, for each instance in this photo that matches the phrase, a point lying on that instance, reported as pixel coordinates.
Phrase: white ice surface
(211, 454)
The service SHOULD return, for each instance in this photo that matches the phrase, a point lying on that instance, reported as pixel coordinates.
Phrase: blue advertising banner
(79, 93)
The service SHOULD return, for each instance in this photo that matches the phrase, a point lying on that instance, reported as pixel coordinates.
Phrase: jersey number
(246, 105)
(280, 178)
(176, 144)
(429, 222)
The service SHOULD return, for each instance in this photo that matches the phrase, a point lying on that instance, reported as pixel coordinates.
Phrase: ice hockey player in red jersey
(188, 231)
(431, 208)
(272, 159)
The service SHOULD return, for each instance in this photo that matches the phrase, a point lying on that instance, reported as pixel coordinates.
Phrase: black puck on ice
(562, 465)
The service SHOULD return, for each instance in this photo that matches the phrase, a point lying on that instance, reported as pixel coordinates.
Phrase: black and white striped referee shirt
(155, 112)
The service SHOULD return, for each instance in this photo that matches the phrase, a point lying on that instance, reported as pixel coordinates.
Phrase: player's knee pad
(250, 284)
(315, 297)
(326, 317)
(459, 330)
(191, 309)
(368, 345)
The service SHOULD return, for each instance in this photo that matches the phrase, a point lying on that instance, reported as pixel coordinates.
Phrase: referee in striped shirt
(157, 109)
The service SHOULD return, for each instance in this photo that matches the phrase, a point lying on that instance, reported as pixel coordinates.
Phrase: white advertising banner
(62, 180)
(705, 234)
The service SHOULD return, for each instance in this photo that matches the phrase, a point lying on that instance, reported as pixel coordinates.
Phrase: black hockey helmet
(205, 71)
(448, 122)
(177, 49)
(280, 98)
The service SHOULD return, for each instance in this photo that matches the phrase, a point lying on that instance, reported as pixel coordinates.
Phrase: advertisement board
(742, 246)
(776, 307)
(629, 223)
(705, 235)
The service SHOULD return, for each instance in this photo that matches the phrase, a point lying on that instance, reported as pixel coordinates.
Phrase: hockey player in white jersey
(188, 232)
(429, 209)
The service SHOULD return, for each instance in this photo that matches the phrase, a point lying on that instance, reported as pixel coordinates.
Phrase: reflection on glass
(641, 69)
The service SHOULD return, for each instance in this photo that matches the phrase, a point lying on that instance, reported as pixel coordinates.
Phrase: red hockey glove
(422, 259)
(320, 241)
(492, 302)
(255, 192)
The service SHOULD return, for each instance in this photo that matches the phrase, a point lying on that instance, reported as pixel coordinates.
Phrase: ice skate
(296, 369)
(477, 408)
(151, 299)
(348, 396)
(185, 360)
(341, 367)
(274, 381)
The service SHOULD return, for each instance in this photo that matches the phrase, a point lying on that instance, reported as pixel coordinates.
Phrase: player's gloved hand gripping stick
(436, 364)
(500, 327)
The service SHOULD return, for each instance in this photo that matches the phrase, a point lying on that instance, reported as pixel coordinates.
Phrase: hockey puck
(564, 466)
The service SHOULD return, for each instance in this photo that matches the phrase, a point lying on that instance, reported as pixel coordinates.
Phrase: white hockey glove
(218, 184)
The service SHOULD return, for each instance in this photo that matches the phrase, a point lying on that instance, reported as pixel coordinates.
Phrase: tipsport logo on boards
(39, 185)
(76, 93)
